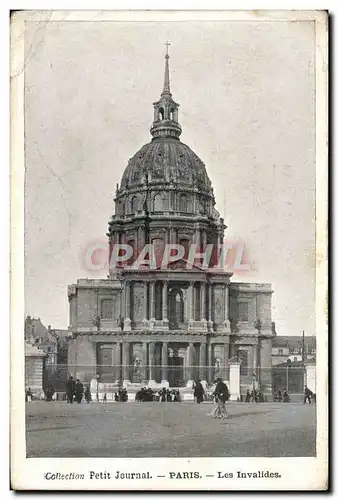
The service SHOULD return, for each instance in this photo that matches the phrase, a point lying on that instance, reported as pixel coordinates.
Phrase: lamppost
(287, 375)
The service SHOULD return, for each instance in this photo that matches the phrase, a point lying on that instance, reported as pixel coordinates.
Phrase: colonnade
(195, 291)
(199, 360)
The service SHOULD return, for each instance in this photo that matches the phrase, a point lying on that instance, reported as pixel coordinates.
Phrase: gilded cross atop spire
(166, 86)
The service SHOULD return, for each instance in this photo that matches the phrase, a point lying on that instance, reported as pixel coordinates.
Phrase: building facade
(169, 326)
(290, 348)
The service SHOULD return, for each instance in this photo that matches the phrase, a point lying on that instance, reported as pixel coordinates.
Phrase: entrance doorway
(105, 362)
(176, 374)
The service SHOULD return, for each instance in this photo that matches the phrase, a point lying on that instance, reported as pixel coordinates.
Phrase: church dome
(166, 160)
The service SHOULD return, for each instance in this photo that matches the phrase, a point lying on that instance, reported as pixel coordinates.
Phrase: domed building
(168, 325)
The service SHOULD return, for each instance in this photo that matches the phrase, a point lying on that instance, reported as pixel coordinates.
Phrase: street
(58, 429)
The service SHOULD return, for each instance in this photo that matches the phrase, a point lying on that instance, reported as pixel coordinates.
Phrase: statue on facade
(137, 365)
(273, 328)
(258, 325)
(217, 366)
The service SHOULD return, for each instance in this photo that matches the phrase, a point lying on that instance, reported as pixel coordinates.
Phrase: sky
(247, 108)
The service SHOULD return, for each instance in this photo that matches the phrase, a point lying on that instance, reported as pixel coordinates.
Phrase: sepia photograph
(174, 304)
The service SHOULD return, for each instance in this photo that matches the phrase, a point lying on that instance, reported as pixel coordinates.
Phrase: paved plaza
(58, 429)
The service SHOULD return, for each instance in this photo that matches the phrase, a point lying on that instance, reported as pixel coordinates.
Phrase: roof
(33, 351)
(294, 341)
(34, 328)
(166, 160)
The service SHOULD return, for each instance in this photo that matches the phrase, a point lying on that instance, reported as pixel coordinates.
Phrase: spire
(166, 86)
(165, 122)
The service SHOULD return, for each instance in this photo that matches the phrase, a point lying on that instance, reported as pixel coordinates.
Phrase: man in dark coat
(49, 392)
(78, 391)
(222, 394)
(70, 387)
(199, 392)
(307, 394)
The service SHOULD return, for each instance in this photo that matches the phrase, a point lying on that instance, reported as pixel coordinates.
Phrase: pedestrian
(199, 392)
(286, 397)
(216, 410)
(78, 391)
(87, 394)
(223, 394)
(70, 387)
(163, 395)
(280, 397)
(247, 396)
(308, 394)
(49, 392)
(29, 395)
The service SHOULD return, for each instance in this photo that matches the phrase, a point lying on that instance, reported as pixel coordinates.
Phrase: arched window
(172, 115)
(185, 244)
(106, 309)
(184, 203)
(134, 205)
(158, 203)
(161, 114)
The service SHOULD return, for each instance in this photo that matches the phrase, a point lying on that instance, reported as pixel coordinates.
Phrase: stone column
(226, 361)
(234, 381)
(266, 368)
(204, 240)
(145, 360)
(202, 363)
(127, 320)
(254, 360)
(165, 302)
(164, 363)
(152, 300)
(210, 322)
(151, 363)
(167, 235)
(203, 318)
(126, 362)
(210, 364)
(226, 322)
(190, 362)
(145, 302)
(172, 236)
(117, 362)
(190, 301)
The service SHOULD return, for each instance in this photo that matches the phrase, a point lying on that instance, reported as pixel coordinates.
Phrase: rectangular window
(106, 309)
(280, 352)
(243, 311)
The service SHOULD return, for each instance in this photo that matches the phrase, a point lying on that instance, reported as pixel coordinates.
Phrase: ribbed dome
(166, 160)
